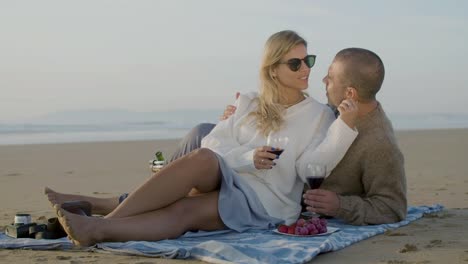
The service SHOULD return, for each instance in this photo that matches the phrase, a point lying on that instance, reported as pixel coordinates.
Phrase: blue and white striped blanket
(227, 246)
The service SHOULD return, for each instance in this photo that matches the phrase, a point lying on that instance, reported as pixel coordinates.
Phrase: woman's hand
(263, 160)
(349, 112)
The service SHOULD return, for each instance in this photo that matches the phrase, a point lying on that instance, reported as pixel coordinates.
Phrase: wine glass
(315, 174)
(279, 143)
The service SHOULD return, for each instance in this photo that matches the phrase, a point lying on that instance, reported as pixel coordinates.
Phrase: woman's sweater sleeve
(329, 146)
(223, 139)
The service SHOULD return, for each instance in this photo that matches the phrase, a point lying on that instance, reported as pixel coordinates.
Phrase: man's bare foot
(81, 230)
(101, 206)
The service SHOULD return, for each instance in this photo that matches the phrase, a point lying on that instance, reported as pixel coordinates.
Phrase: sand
(435, 160)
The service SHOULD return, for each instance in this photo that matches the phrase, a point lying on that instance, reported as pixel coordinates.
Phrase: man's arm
(193, 139)
(384, 182)
(230, 110)
(223, 138)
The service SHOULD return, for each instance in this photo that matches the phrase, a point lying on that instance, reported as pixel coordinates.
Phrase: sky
(174, 54)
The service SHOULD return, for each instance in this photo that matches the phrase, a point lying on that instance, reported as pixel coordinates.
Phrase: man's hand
(349, 112)
(229, 111)
(322, 202)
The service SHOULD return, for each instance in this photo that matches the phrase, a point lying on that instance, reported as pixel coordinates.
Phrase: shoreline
(409, 130)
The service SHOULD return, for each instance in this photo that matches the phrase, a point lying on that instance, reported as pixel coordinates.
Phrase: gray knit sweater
(370, 179)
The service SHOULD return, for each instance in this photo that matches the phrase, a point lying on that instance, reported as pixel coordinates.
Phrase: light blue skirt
(238, 204)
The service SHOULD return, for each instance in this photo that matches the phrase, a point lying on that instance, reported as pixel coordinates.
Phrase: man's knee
(201, 130)
(192, 140)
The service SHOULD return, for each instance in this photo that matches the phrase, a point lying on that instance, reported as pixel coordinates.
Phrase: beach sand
(435, 160)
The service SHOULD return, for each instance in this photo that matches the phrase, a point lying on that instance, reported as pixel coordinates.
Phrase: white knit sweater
(314, 136)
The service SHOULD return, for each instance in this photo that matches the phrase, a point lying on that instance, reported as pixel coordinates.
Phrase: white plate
(307, 214)
(329, 231)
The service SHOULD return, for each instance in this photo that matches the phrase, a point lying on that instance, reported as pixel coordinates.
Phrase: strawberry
(283, 228)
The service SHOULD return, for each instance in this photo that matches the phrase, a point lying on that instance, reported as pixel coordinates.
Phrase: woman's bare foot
(101, 206)
(60, 198)
(81, 230)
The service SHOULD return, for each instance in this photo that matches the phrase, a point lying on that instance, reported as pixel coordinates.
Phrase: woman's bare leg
(101, 206)
(199, 170)
(190, 213)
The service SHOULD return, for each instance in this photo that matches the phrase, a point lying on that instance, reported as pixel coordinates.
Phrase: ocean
(89, 127)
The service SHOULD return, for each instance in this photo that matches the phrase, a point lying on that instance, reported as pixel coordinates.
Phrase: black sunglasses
(295, 63)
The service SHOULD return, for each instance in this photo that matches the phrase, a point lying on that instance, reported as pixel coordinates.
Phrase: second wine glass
(315, 174)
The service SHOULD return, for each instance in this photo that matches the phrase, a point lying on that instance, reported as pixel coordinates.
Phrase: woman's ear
(273, 74)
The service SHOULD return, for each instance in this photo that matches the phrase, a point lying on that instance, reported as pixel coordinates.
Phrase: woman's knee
(204, 155)
(206, 174)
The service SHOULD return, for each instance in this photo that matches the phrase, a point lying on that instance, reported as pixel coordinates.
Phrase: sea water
(170, 126)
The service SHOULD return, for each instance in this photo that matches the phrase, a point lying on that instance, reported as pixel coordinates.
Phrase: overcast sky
(174, 54)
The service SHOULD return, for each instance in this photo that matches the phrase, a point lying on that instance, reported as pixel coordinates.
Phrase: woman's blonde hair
(269, 115)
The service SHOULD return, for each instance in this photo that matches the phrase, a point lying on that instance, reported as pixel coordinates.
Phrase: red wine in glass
(278, 143)
(315, 181)
(318, 173)
(277, 152)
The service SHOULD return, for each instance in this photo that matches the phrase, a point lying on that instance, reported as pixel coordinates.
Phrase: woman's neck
(290, 99)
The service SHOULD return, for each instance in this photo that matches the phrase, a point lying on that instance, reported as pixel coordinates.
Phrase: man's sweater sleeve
(384, 182)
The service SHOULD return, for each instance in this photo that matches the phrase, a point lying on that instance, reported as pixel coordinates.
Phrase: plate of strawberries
(311, 227)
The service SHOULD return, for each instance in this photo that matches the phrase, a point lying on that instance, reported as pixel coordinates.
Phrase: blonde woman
(228, 172)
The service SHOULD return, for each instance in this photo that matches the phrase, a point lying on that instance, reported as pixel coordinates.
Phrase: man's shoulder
(377, 134)
(380, 144)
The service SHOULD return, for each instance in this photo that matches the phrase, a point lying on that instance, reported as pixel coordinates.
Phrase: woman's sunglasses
(295, 64)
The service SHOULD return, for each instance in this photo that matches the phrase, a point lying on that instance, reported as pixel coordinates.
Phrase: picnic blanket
(226, 246)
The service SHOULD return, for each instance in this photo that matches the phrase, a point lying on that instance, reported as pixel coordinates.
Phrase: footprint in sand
(434, 243)
(100, 193)
(440, 215)
(392, 233)
(13, 174)
(408, 248)
(63, 257)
